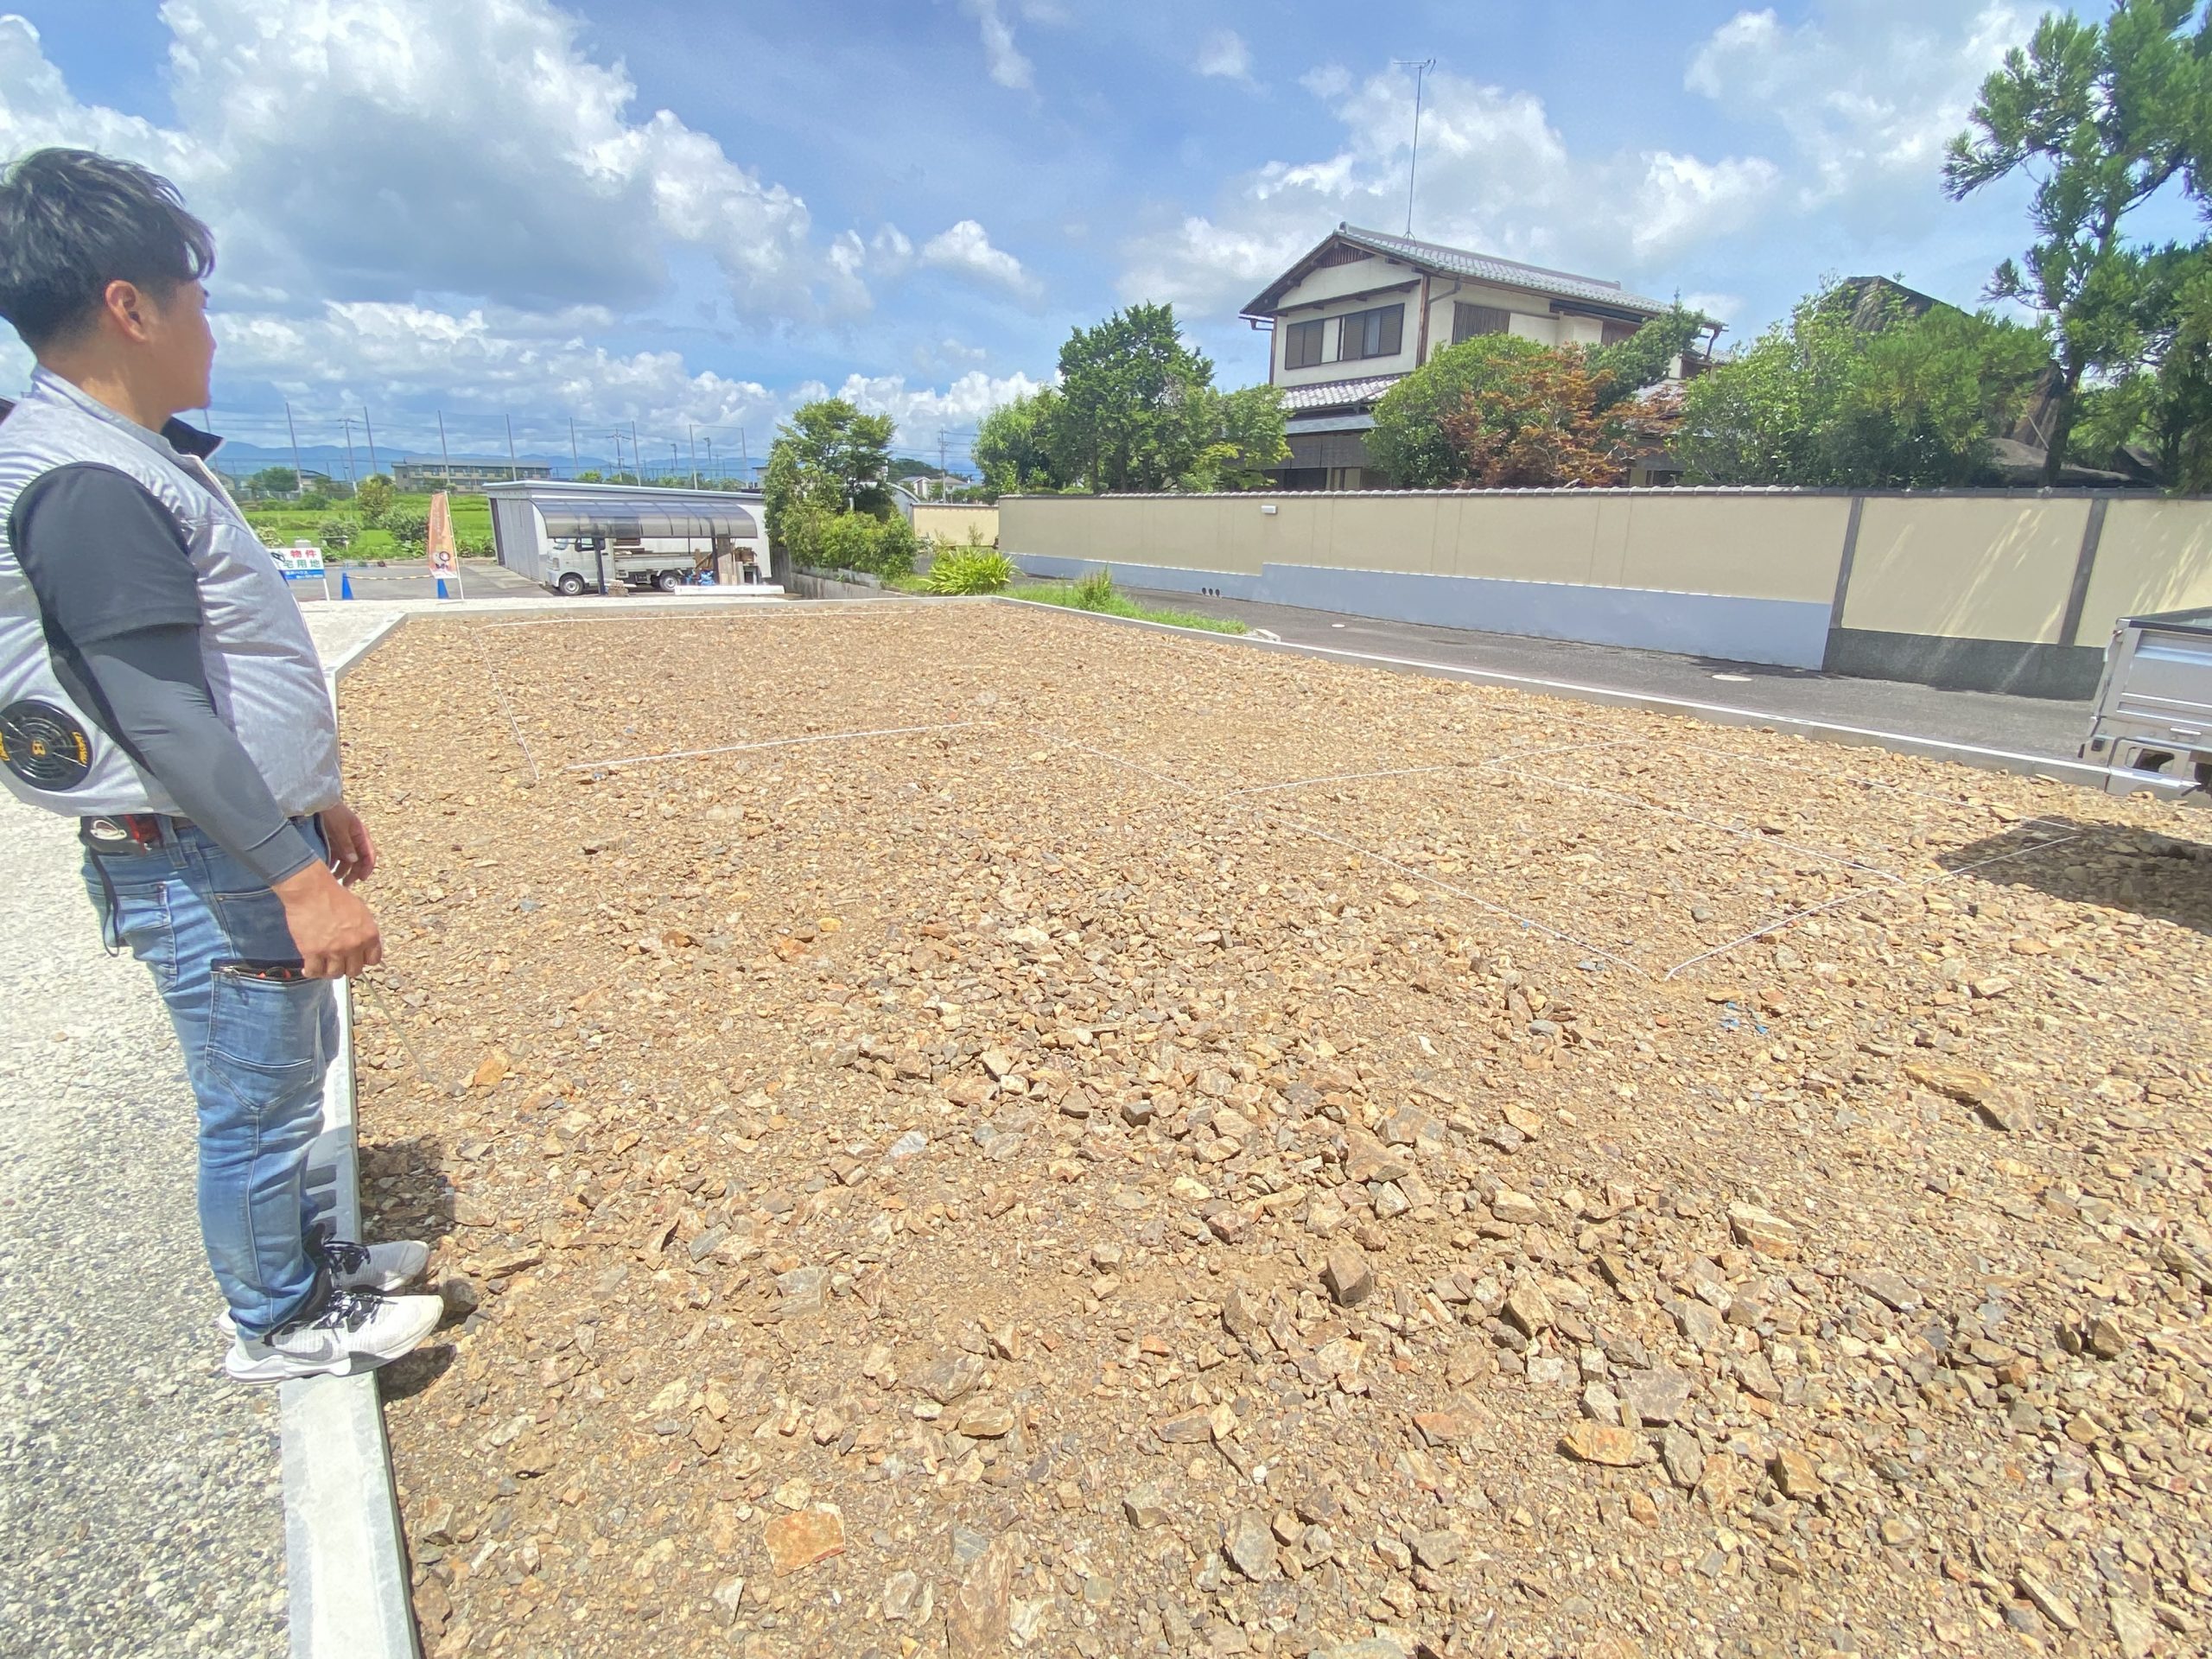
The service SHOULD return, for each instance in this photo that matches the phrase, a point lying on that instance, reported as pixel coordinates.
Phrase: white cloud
(477, 365)
(966, 248)
(420, 206)
(1721, 308)
(922, 412)
(1868, 94)
(1852, 109)
(1495, 175)
(1002, 59)
(391, 148)
(1223, 52)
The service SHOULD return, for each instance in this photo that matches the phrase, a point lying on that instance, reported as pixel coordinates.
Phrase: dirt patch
(1167, 1149)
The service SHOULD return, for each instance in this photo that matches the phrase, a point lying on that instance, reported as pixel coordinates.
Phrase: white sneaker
(357, 1331)
(374, 1267)
(359, 1267)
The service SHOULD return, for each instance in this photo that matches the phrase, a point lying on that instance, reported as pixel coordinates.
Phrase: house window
(1468, 321)
(1615, 333)
(1379, 333)
(1301, 346)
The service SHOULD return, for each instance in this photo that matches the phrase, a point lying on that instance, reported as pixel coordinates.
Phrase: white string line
(1416, 771)
(1823, 772)
(1388, 862)
(1872, 894)
(1757, 837)
(1344, 777)
(513, 725)
(769, 743)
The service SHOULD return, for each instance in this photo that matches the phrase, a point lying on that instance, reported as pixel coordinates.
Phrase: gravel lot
(140, 1508)
(1202, 1153)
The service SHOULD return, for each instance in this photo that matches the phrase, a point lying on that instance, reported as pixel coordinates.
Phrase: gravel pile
(140, 1505)
(1572, 1182)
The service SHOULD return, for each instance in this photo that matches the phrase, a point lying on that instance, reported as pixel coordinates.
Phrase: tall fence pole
(299, 473)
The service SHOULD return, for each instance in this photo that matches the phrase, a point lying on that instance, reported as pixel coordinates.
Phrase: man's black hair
(72, 222)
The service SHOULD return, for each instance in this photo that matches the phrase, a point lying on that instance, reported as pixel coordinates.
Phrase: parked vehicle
(576, 565)
(2152, 722)
(575, 538)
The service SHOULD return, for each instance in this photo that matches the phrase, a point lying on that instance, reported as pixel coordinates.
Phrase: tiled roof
(1338, 394)
(1483, 267)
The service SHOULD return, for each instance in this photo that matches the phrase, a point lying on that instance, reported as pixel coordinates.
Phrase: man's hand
(336, 933)
(352, 854)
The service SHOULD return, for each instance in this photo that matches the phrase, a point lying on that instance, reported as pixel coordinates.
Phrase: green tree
(1127, 416)
(2102, 116)
(828, 458)
(1408, 443)
(1012, 445)
(373, 499)
(1825, 401)
(1241, 434)
(272, 480)
(1649, 355)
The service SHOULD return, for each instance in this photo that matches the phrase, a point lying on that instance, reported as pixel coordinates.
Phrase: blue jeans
(254, 1049)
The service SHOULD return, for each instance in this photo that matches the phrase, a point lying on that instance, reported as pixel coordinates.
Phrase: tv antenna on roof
(1421, 66)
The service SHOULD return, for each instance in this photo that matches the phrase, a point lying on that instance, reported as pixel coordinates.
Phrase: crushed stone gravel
(1217, 1154)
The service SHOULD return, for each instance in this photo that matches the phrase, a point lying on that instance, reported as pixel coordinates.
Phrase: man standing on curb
(157, 684)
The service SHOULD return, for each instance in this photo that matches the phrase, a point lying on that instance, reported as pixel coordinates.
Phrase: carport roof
(571, 509)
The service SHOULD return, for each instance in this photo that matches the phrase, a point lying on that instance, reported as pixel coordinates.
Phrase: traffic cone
(441, 589)
(345, 584)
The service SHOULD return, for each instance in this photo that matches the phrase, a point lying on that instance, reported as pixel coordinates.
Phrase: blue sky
(693, 216)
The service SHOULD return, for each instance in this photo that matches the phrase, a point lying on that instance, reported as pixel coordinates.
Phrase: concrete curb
(345, 1565)
(1929, 748)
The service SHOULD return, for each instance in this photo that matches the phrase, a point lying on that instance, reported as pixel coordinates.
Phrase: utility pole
(744, 461)
(514, 468)
(371, 431)
(299, 473)
(352, 477)
(617, 436)
(940, 460)
(444, 454)
(694, 432)
(710, 456)
(636, 454)
(575, 461)
(1421, 67)
(676, 463)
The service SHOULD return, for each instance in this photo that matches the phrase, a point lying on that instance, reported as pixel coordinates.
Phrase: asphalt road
(479, 579)
(2034, 726)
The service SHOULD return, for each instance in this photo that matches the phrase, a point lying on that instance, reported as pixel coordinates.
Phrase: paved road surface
(479, 579)
(2026, 725)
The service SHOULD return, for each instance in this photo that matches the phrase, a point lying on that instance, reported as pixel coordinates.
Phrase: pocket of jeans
(138, 912)
(268, 1027)
(254, 925)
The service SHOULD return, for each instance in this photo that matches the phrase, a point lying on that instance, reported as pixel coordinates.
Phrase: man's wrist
(303, 884)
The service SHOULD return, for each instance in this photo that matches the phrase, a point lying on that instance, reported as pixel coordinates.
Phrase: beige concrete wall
(2154, 555)
(948, 523)
(1762, 547)
(1999, 567)
(1965, 568)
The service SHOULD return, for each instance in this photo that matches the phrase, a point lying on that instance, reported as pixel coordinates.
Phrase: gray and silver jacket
(261, 665)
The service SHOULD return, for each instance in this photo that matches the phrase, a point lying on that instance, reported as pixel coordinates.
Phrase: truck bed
(2152, 722)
